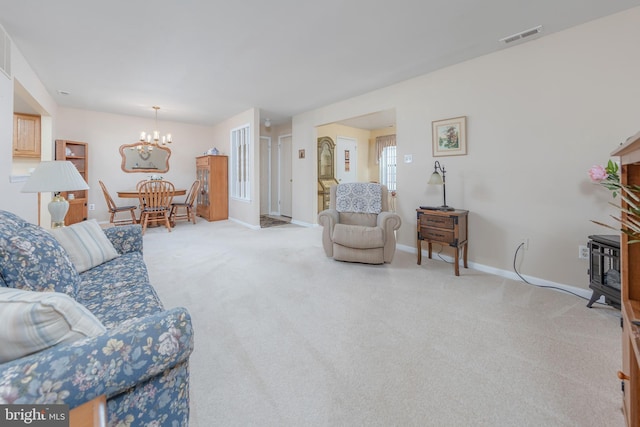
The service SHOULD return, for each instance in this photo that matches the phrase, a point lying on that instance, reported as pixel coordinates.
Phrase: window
(240, 163)
(388, 167)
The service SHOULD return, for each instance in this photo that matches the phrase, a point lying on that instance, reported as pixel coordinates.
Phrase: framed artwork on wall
(449, 137)
(301, 154)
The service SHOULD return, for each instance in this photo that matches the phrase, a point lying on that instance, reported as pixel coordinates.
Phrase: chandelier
(154, 138)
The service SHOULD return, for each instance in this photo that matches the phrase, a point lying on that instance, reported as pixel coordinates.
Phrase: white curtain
(382, 142)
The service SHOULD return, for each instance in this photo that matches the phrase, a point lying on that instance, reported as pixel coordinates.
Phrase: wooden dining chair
(114, 209)
(156, 198)
(189, 213)
(141, 202)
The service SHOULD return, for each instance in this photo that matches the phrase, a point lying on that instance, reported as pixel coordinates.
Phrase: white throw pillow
(33, 321)
(86, 244)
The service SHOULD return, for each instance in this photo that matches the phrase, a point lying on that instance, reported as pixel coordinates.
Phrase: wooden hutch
(213, 197)
(629, 154)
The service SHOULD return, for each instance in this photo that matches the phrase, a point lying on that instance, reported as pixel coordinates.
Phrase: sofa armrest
(125, 238)
(328, 218)
(109, 364)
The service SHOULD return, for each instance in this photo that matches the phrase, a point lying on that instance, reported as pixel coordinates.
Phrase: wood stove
(604, 269)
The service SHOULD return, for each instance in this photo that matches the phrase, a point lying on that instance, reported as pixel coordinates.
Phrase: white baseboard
(584, 293)
(303, 224)
(246, 224)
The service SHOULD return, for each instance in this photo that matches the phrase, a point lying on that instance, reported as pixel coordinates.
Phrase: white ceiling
(203, 61)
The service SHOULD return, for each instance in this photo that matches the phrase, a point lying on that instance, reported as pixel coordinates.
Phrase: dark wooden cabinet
(78, 154)
(213, 197)
(445, 227)
(604, 268)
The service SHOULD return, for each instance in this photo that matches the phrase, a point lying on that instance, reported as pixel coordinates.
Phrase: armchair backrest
(357, 218)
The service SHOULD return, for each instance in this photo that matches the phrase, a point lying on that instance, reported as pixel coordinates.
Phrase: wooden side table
(90, 414)
(445, 227)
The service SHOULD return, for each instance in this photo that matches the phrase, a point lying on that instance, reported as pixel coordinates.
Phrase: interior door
(346, 156)
(286, 184)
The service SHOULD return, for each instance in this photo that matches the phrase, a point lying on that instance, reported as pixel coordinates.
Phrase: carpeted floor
(287, 337)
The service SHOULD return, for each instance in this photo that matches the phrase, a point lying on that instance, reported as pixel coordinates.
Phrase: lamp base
(58, 208)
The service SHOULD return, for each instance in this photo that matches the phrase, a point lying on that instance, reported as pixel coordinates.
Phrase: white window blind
(388, 167)
(240, 163)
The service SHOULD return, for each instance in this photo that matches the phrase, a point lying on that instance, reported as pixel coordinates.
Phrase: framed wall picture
(449, 137)
(301, 154)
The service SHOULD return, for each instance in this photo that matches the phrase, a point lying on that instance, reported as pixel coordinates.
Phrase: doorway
(275, 176)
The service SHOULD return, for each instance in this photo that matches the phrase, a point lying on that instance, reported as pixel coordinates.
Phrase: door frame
(266, 162)
(282, 181)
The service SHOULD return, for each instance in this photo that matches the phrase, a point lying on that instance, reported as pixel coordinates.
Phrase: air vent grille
(521, 35)
(5, 53)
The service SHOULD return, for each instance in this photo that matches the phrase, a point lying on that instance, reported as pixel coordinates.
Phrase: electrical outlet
(524, 242)
(583, 252)
(92, 206)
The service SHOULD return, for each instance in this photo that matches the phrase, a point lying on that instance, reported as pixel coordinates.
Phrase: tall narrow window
(240, 163)
(388, 167)
(386, 148)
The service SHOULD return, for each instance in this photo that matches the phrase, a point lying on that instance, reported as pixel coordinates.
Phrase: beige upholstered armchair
(358, 226)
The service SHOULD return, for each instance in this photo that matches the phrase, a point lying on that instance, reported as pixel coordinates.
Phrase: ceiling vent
(5, 53)
(521, 35)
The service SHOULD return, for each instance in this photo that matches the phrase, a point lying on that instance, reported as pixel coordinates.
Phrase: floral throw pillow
(32, 259)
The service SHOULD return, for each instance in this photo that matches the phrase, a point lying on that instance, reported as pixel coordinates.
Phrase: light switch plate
(408, 158)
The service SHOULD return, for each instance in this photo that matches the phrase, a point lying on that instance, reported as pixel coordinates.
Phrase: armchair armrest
(125, 238)
(389, 221)
(131, 353)
(328, 218)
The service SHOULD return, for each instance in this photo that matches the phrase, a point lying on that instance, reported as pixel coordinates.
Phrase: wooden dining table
(133, 194)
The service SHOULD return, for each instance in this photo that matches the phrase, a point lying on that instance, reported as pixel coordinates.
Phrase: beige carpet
(287, 337)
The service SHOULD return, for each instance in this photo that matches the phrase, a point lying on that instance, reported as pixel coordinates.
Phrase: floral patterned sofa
(139, 358)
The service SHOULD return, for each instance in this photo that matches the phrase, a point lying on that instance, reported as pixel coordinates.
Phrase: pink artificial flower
(597, 173)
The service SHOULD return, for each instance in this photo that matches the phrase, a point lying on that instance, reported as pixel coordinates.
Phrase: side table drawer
(437, 221)
(435, 234)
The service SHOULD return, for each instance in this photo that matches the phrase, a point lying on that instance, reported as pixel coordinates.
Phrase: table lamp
(55, 176)
(436, 179)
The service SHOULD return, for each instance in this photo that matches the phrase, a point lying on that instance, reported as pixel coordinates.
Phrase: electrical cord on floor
(515, 256)
(440, 256)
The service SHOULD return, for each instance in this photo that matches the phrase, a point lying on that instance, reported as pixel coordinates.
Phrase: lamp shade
(435, 179)
(55, 176)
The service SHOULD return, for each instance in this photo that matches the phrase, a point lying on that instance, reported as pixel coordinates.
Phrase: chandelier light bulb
(154, 138)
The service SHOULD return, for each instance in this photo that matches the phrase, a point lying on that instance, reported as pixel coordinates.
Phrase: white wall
(11, 199)
(539, 116)
(245, 212)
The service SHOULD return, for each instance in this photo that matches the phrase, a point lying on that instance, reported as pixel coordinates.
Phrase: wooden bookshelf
(629, 154)
(78, 154)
